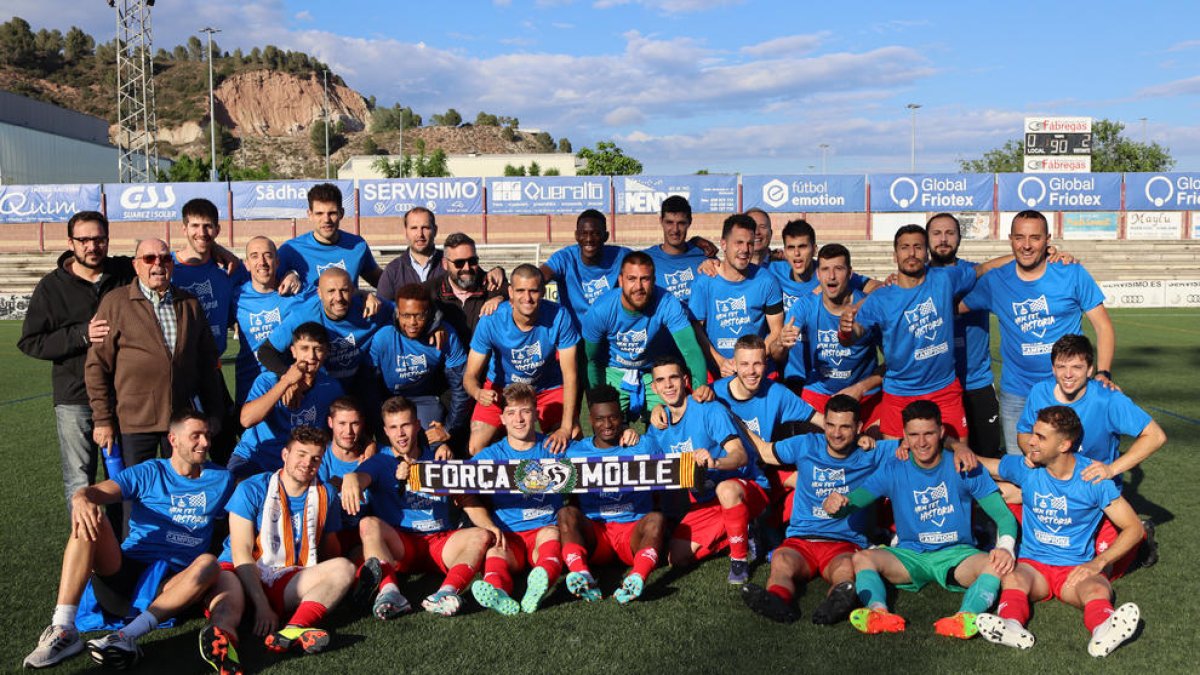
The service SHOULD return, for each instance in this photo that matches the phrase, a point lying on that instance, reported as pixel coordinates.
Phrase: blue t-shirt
(309, 257)
(932, 507)
(707, 426)
(731, 309)
(215, 291)
(826, 366)
(262, 443)
(348, 337)
(1033, 315)
(973, 344)
(917, 325)
(250, 497)
(405, 509)
(676, 272)
(578, 284)
(172, 515)
(1106, 415)
(521, 512)
(1059, 518)
(817, 474)
(529, 357)
(635, 338)
(768, 409)
(257, 315)
(333, 467)
(410, 367)
(794, 289)
(614, 507)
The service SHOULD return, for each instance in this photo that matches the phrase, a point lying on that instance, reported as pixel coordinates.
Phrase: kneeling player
(279, 523)
(174, 502)
(931, 501)
(620, 525)
(1061, 513)
(527, 521)
(410, 531)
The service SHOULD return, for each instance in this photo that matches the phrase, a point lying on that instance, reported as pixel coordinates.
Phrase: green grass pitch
(689, 623)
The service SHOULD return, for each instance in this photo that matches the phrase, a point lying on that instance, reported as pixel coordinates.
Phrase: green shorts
(613, 376)
(932, 566)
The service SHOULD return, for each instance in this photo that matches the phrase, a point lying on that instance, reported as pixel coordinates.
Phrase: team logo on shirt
(829, 349)
(1051, 510)
(340, 264)
(188, 509)
(679, 281)
(632, 342)
(1033, 316)
(592, 289)
(308, 416)
(528, 358)
(423, 505)
(685, 446)
(752, 425)
(923, 320)
(263, 319)
(788, 300)
(343, 351)
(933, 504)
(203, 291)
(411, 365)
(732, 313)
(824, 475)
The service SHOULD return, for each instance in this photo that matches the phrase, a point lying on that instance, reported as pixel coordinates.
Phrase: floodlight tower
(137, 125)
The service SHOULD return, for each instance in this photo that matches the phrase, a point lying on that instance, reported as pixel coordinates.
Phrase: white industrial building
(469, 165)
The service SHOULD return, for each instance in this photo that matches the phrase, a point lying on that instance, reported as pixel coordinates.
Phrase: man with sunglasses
(157, 357)
(423, 262)
(461, 294)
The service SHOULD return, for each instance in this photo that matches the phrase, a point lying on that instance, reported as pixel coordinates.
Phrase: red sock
(737, 528)
(781, 593)
(1096, 612)
(388, 576)
(550, 559)
(576, 557)
(459, 576)
(1014, 604)
(644, 562)
(308, 614)
(495, 572)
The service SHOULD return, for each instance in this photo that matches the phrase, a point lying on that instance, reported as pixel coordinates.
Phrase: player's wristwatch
(1106, 373)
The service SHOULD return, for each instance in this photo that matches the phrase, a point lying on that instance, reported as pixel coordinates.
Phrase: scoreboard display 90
(1058, 144)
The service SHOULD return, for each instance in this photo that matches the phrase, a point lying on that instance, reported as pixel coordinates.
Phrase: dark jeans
(137, 448)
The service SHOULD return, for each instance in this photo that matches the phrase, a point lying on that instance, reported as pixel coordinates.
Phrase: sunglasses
(459, 264)
(99, 241)
(162, 259)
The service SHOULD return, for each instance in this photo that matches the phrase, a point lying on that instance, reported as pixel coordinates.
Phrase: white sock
(388, 588)
(64, 615)
(144, 623)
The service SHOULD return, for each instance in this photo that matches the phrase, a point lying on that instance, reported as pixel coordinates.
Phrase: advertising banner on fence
(1149, 293)
(1153, 225)
(798, 194)
(161, 201)
(1182, 293)
(1089, 225)
(932, 192)
(706, 194)
(1060, 192)
(1162, 191)
(269, 199)
(443, 196)
(36, 203)
(547, 194)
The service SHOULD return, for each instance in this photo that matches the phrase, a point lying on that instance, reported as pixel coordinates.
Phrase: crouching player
(931, 501)
(817, 544)
(1060, 515)
(174, 502)
(280, 523)
(527, 522)
(410, 531)
(612, 525)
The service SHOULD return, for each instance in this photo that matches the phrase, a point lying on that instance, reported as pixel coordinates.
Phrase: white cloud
(624, 116)
(669, 6)
(1184, 46)
(794, 45)
(304, 15)
(1185, 87)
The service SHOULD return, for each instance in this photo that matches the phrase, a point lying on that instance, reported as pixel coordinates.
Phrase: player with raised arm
(1062, 510)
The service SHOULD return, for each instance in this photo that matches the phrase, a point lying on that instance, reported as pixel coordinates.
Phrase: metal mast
(137, 126)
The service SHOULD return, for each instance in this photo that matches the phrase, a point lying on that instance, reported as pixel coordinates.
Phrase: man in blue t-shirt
(259, 308)
(528, 340)
(932, 502)
(1036, 303)
(676, 261)
(1062, 509)
(282, 528)
(304, 258)
(161, 568)
(586, 269)
(349, 446)
(602, 528)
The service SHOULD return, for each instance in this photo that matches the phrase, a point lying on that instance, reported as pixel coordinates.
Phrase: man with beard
(587, 269)
(461, 293)
(1035, 304)
(304, 258)
(676, 261)
(422, 262)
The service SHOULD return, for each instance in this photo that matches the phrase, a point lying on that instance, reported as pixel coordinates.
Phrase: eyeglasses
(412, 317)
(473, 261)
(161, 259)
(99, 241)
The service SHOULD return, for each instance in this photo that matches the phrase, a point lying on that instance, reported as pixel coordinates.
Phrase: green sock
(871, 591)
(980, 596)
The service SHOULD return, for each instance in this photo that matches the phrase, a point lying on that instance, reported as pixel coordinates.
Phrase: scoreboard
(1058, 144)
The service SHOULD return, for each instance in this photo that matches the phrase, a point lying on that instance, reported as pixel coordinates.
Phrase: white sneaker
(1007, 632)
(442, 603)
(56, 644)
(1115, 630)
(115, 651)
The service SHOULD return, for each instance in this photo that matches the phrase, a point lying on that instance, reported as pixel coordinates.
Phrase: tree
(317, 137)
(510, 170)
(48, 45)
(369, 146)
(564, 145)
(607, 160)
(535, 169)
(508, 134)
(179, 53)
(450, 118)
(702, 172)
(78, 45)
(543, 142)
(552, 172)
(486, 120)
(195, 49)
(17, 46)
(1111, 153)
(396, 118)
(422, 165)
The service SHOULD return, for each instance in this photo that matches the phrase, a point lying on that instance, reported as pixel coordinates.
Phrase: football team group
(764, 364)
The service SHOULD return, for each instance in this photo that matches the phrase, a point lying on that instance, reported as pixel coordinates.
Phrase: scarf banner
(636, 473)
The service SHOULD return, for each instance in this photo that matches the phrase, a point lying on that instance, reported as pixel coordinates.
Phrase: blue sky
(731, 86)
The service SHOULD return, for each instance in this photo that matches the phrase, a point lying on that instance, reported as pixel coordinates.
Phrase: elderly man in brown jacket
(158, 357)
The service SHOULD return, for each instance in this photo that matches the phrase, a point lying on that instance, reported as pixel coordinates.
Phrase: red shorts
(348, 540)
(868, 406)
(704, 524)
(781, 495)
(948, 400)
(613, 542)
(523, 546)
(423, 552)
(1105, 536)
(818, 554)
(549, 409)
(1055, 575)
(274, 591)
